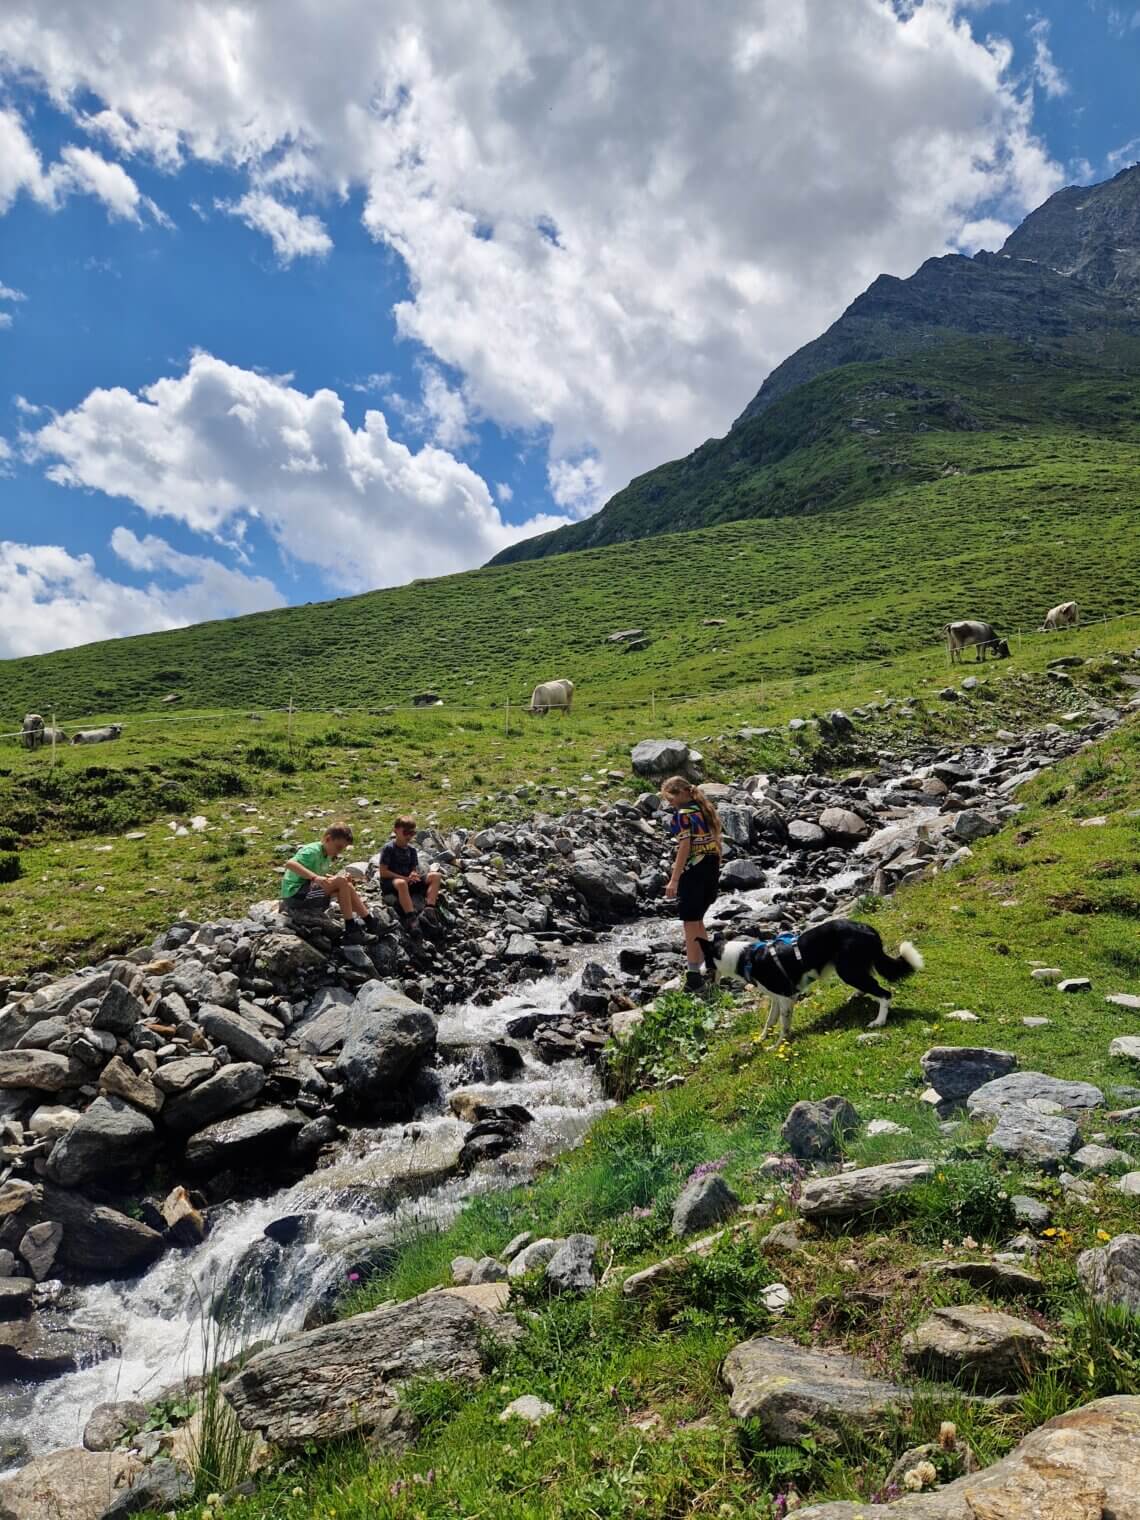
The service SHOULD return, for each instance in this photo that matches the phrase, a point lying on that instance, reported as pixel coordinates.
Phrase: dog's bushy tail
(896, 967)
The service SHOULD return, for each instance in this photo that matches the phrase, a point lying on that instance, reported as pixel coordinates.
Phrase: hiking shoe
(694, 981)
(353, 934)
(411, 925)
(373, 924)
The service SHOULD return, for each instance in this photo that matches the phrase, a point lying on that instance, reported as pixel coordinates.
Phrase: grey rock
(1098, 1158)
(1126, 1047)
(240, 1037)
(1029, 1211)
(792, 1392)
(1021, 1087)
(108, 1424)
(516, 1244)
(119, 1010)
(219, 1095)
(39, 1069)
(179, 1076)
(993, 1276)
(537, 1254)
(1075, 984)
(32, 1350)
(843, 826)
(285, 958)
(529, 1408)
(488, 1269)
(571, 1268)
(40, 1245)
(604, 886)
(118, 1080)
(387, 1035)
(461, 1270)
(1042, 1139)
(661, 757)
(1111, 1273)
(1129, 1184)
(803, 835)
(521, 947)
(858, 1192)
(982, 1347)
(972, 824)
(742, 876)
(703, 1202)
(816, 1128)
(110, 1137)
(159, 1486)
(1083, 1465)
(955, 1071)
(344, 1379)
(1127, 1000)
(243, 1139)
(784, 1238)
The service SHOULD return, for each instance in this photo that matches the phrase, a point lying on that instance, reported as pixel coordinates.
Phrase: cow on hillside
(961, 635)
(32, 731)
(552, 694)
(1063, 615)
(97, 735)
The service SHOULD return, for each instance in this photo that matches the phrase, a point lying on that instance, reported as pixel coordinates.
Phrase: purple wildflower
(708, 1168)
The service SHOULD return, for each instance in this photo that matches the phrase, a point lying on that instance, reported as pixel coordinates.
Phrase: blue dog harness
(770, 950)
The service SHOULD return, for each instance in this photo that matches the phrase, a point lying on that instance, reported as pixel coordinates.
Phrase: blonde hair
(677, 785)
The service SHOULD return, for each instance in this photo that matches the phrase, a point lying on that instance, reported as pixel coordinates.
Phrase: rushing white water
(382, 1185)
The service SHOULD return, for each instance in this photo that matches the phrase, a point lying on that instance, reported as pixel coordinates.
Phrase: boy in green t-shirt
(309, 884)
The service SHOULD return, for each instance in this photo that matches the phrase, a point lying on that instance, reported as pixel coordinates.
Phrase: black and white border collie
(786, 971)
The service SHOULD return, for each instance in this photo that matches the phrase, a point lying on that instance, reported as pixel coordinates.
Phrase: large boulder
(110, 1137)
(344, 1379)
(240, 1037)
(285, 958)
(1083, 1465)
(98, 1241)
(861, 1191)
(817, 1128)
(119, 1011)
(955, 1071)
(742, 876)
(158, 1487)
(792, 1391)
(1111, 1273)
(74, 1483)
(33, 1350)
(1041, 1139)
(219, 1095)
(843, 827)
(1023, 1088)
(971, 1343)
(658, 758)
(604, 886)
(244, 1139)
(387, 1035)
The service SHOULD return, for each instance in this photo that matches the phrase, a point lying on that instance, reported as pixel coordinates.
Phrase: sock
(697, 966)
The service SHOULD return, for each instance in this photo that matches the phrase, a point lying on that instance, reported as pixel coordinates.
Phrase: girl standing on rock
(695, 878)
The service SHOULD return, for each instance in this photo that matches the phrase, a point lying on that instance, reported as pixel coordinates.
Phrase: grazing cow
(97, 735)
(54, 735)
(1064, 615)
(551, 694)
(32, 735)
(961, 635)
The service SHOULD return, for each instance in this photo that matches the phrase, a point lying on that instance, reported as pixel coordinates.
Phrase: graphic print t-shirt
(311, 855)
(690, 820)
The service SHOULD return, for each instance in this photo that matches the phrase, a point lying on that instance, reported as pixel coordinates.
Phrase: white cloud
(77, 171)
(27, 408)
(1045, 70)
(614, 220)
(504, 492)
(52, 599)
(987, 232)
(219, 445)
(5, 319)
(8, 294)
(293, 236)
(1122, 157)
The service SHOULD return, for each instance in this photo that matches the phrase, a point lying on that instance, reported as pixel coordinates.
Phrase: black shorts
(698, 889)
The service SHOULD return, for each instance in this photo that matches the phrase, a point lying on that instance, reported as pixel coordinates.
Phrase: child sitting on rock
(309, 884)
(400, 872)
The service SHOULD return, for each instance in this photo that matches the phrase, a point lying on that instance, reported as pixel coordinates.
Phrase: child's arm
(303, 870)
(684, 849)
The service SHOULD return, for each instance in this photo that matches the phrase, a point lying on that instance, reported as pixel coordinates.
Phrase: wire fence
(509, 706)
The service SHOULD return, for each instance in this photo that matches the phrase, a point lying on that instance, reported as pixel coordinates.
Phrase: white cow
(97, 735)
(1063, 615)
(968, 632)
(551, 694)
(32, 735)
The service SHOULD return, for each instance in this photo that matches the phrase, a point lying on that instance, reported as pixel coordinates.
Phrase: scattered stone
(533, 1256)
(858, 1192)
(784, 1237)
(1111, 1273)
(1099, 1158)
(111, 1136)
(529, 1408)
(955, 1071)
(39, 1069)
(963, 1016)
(886, 1127)
(1075, 984)
(1127, 1000)
(39, 1247)
(777, 1298)
(461, 1269)
(792, 1391)
(1047, 974)
(1023, 1087)
(1032, 1023)
(571, 1268)
(1041, 1139)
(817, 1128)
(1029, 1211)
(1126, 1047)
(703, 1202)
(159, 1486)
(108, 1424)
(973, 824)
(991, 1275)
(226, 1090)
(488, 1269)
(983, 1347)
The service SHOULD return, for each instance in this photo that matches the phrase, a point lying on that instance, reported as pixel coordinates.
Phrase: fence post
(53, 741)
(289, 730)
(653, 705)
(507, 718)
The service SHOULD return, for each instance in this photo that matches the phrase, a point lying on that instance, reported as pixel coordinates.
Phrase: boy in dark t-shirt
(400, 872)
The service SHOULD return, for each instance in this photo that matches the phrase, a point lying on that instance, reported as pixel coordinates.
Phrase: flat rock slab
(789, 1390)
(1043, 1139)
(74, 1483)
(1084, 1465)
(1020, 1087)
(977, 1345)
(344, 1379)
(859, 1192)
(993, 1276)
(1124, 1000)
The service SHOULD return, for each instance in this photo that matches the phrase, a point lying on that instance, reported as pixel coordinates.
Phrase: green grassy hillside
(997, 524)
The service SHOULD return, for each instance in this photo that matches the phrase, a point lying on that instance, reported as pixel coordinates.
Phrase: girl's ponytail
(710, 815)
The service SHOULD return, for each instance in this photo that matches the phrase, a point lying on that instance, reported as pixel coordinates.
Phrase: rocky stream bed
(243, 1115)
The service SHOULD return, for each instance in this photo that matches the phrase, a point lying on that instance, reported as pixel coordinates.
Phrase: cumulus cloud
(53, 599)
(293, 236)
(614, 220)
(219, 445)
(77, 171)
(8, 294)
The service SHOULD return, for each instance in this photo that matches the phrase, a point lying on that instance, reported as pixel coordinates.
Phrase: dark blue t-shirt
(401, 859)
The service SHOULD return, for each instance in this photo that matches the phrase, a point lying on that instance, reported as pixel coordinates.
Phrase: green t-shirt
(311, 855)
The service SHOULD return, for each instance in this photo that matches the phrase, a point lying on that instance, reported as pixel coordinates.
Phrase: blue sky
(300, 299)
